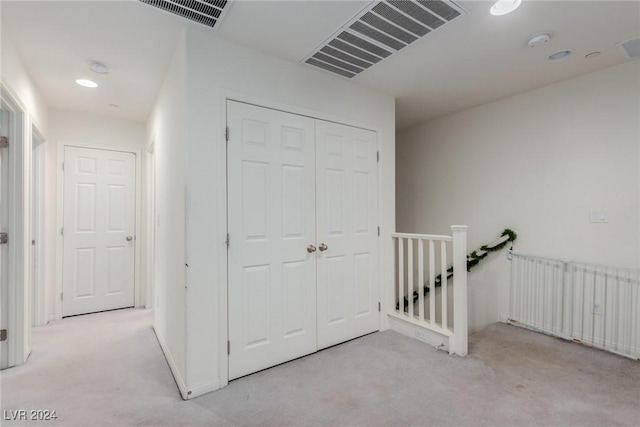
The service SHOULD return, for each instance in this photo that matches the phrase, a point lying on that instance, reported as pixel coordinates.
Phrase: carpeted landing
(107, 369)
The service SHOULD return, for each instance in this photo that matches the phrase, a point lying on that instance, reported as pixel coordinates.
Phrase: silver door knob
(129, 238)
(323, 247)
(311, 249)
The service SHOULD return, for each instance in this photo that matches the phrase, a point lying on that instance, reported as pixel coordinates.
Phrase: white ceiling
(475, 59)
(56, 39)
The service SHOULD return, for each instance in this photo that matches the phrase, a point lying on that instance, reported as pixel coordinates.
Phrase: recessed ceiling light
(98, 67)
(86, 83)
(592, 54)
(502, 7)
(560, 55)
(114, 105)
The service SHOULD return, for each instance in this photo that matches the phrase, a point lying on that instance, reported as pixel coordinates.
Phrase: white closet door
(271, 222)
(99, 226)
(347, 212)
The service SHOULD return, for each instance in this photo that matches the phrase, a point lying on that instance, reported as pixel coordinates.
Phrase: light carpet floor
(107, 369)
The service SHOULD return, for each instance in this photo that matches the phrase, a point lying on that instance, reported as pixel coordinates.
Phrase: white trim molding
(38, 164)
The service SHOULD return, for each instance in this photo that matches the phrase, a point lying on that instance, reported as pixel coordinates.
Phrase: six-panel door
(99, 225)
(272, 291)
(347, 231)
(302, 221)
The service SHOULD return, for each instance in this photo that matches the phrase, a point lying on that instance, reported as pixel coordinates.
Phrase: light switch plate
(598, 215)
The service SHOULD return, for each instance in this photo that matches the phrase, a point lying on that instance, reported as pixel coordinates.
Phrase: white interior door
(271, 223)
(4, 248)
(99, 230)
(303, 231)
(347, 215)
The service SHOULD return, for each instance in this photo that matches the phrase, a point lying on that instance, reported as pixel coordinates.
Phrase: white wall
(90, 130)
(16, 78)
(95, 130)
(536, 163)
(167, 126)
(215, 70)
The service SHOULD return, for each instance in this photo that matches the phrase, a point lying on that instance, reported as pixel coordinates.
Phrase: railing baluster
(432, 283)
(410, 284)
(401, 275)
(443, 284)
(421, 279)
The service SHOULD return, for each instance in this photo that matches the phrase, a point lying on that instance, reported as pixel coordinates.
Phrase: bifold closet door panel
(271, 222)
(347, 221)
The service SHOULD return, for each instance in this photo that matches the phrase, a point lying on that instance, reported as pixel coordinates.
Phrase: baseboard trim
(418, 332)
(182, 387)
(194, 392)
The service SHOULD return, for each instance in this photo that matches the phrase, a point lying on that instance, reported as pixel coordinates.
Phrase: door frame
(38, 233)
(18, 301)
(222, 226)
(150, 213)
(62, 145)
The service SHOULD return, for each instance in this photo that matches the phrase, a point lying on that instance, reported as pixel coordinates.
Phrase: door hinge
(378, 156)
(228, 348)
(4, 238)
(63, 166)
(3, 334)
(62, 231)
(379, 306)
(228, 240)
(4, 142)
(378, 231)
(61, 296)
(226, 134)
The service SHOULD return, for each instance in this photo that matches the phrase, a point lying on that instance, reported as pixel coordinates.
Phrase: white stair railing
(422, 268)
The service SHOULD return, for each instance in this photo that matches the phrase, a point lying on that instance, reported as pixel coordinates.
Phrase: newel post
(459, 344)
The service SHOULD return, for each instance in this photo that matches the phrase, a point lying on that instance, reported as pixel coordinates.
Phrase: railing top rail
(422, 236)
(575, 262)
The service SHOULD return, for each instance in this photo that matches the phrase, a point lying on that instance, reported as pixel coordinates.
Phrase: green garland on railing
(473, 259)
(505, 238)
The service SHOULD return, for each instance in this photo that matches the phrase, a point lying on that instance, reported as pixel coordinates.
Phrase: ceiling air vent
(631, 48)
(379, 31)
(205, 12)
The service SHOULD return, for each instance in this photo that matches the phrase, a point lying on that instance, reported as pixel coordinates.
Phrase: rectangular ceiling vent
(379, 31)
(205, 12)
(631, 48)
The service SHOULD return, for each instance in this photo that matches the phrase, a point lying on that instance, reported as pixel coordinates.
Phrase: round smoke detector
(538, 39)
(98, 67)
